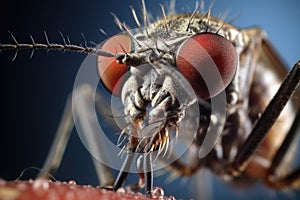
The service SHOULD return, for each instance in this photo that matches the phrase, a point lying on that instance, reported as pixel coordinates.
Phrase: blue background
(33, 91)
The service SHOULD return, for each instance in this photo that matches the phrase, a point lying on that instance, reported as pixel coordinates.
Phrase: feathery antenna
(52, 46)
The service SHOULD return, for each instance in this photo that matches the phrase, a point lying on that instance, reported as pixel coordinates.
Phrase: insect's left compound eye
(208, 61)
(110, 71)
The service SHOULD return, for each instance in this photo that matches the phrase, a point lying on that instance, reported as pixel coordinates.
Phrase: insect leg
(60, 142)
(148, 173)
(124, 171)
(83, 109)
(130, 154)
(80, 103)
(294, 177)
(266, 120)
(144, 166)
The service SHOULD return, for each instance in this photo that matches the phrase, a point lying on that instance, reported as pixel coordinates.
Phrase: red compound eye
(109, 70)
(208, 61)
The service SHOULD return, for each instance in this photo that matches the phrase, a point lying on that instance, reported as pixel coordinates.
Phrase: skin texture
(46, 190)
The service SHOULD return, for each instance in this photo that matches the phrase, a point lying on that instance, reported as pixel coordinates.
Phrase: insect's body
(151, 72)
(247, 95)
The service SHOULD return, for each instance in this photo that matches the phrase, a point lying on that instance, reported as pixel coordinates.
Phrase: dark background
(33, 91)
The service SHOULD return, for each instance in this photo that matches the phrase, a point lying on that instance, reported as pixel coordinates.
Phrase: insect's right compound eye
(110, 71)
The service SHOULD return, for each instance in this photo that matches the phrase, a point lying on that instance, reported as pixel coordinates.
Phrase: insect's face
(160, 71)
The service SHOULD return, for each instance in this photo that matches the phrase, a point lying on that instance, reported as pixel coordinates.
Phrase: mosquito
(189, 76)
